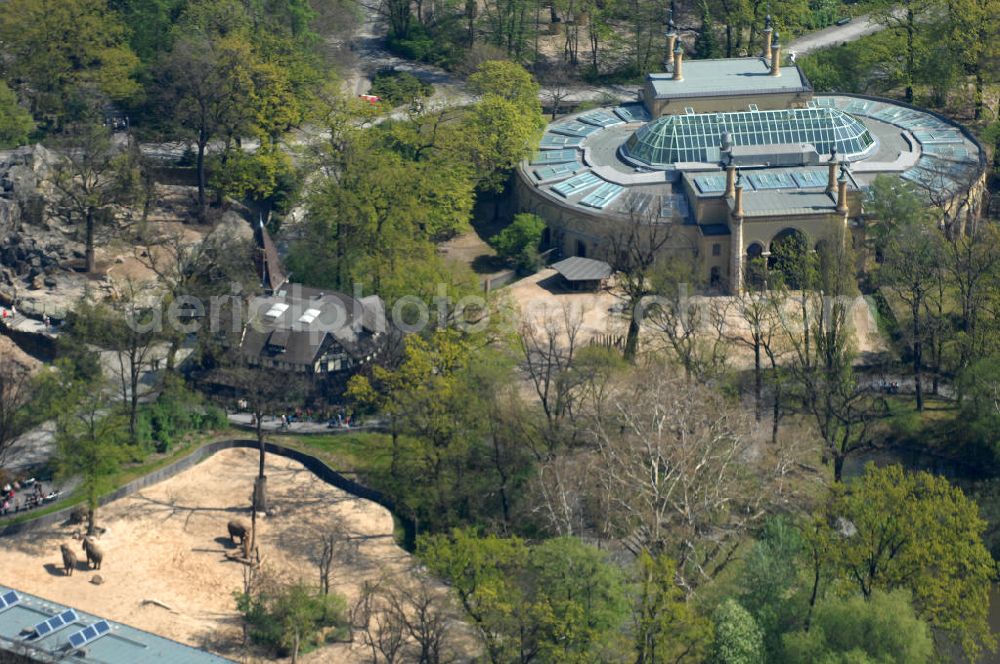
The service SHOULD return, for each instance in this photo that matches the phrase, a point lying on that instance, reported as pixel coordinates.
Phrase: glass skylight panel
(600, 119)
(710, 184)
(276, 310)
(858, 106)
(574, 129)
(557, 171)
(556, 142)
(309, 316)
(553, 157)
(807, 179)
(695, 137)
(938, 136)
(576, 184)
(632, 113)
(602, 196)
(771, 180)
(55, 623)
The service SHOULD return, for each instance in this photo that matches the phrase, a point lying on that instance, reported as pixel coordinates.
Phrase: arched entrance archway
(789, 257)
(755, 266)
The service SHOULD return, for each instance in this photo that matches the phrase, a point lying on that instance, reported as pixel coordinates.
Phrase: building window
(716, 249)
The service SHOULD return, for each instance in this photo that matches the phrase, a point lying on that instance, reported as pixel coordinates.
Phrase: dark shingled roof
(309, 323)
(268, 261)
(577, 268)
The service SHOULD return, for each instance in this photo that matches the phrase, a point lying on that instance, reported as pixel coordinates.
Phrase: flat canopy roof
(578, 268)
(727, 77)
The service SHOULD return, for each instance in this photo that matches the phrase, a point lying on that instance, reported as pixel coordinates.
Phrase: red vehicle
(371, 99)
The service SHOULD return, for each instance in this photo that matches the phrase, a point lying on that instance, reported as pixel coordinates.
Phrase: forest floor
(169, 543)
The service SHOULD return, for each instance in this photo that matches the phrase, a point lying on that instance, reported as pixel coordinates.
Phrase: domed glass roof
(697, 137)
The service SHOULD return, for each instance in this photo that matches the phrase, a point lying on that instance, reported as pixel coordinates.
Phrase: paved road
(834, 35)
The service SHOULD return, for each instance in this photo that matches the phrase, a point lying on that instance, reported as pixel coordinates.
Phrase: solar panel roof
(89, 633)
(121, 644)
(9, 599)
(55, 623)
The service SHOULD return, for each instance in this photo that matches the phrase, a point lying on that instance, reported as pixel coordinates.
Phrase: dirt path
(860, 26)
(168, 543)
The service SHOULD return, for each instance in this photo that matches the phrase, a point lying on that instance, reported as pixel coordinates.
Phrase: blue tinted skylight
(681, 138)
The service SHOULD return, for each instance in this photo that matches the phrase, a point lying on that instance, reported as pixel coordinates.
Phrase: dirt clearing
(168, 543)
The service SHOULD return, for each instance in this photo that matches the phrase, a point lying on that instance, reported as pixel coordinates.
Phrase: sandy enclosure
(168, 543)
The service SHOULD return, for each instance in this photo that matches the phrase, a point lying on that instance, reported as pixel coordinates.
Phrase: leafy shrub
(400, 87)
(176, 412)
(518, 243)
(292, 619)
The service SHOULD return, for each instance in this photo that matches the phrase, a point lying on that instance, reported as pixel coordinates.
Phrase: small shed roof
(578, 268)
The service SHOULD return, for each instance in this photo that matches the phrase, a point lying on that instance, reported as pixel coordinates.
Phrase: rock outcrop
(39, 252)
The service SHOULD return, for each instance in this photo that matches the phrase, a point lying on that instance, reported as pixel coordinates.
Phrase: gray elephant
(94, 553)
(69, 559)
(239, 529)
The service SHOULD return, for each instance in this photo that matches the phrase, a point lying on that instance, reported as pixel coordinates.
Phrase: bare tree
(94, 181)
(691, 326)
(407, 620)
(676, 474)
(128, 326)
(634, 254)
(548, 347)
(761, 310)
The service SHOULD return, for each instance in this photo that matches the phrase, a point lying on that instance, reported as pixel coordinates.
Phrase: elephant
(239, 529)
(69, 559)
(94, 553)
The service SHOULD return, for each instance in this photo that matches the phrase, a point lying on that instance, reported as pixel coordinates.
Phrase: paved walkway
(835, 35)
(273, 425)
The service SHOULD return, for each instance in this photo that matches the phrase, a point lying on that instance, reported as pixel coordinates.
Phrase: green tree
(558, 601)
(207, 84)
(89, 444)
(66, 57)
(518, 243)
(738, 639)
(772, 585)
(706, 45)
(880, 630)
(665, 626)
(890, 202)
(509, 80)
(16, 124)
(916, 531)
